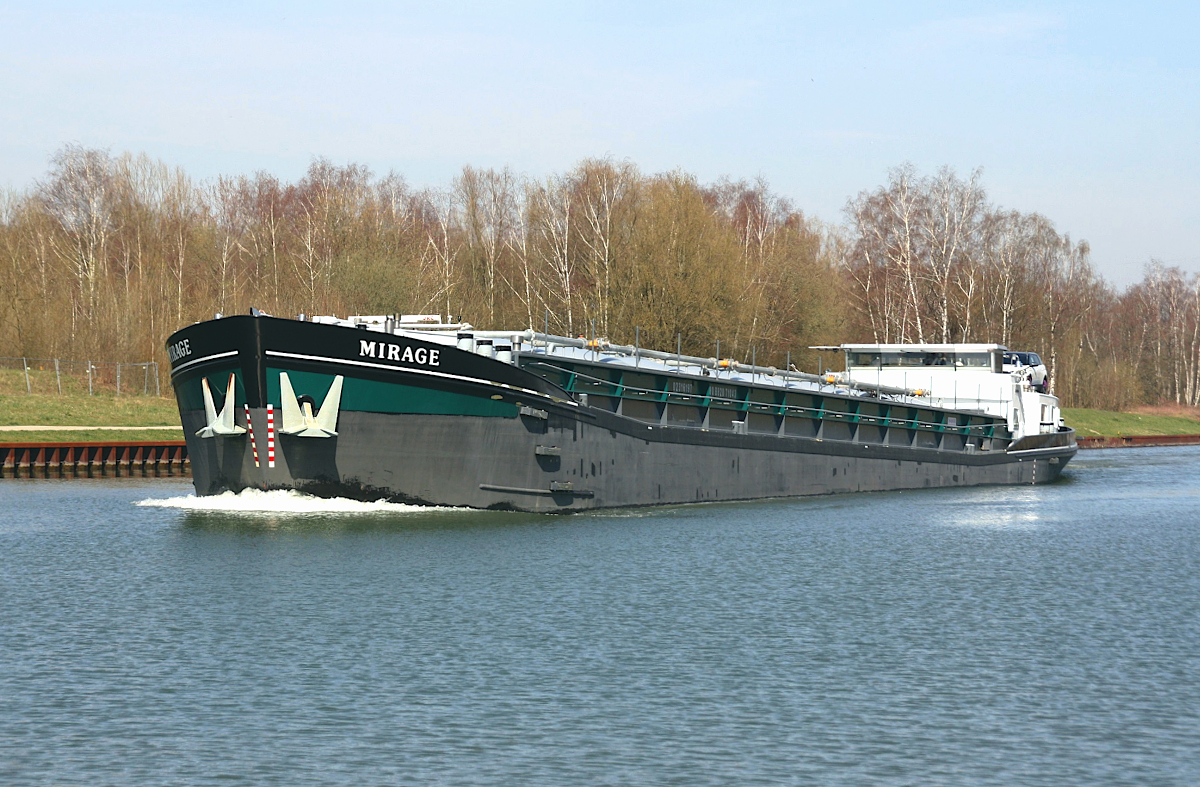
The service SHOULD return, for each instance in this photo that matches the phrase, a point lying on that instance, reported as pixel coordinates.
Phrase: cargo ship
(426, 411)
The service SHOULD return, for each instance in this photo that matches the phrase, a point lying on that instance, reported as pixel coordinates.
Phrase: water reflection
(1011, 507)
(328, 523)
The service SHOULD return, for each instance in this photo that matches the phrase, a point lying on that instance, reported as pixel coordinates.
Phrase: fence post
(156, 391)
(57, 377)
(25, 364)
(89, 378)
(145, 379)
(118, 379)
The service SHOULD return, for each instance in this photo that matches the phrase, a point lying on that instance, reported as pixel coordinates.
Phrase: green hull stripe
(378, 397)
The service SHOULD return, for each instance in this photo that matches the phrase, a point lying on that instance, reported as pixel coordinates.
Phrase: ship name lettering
(402, 353)
(180, 349)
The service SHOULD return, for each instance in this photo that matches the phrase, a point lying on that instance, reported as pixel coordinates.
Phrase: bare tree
(887, 231)
(490, 216)
(1007, 247)
(602, 187)
(182, 208)
(1064, 277)
(231, 229)
(439, 261)
(78, 196)
(949, 221)
(265, 203)
(330, 199)
(527, 280)
(552, 217)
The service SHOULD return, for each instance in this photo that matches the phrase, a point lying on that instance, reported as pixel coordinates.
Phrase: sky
(1088, 112)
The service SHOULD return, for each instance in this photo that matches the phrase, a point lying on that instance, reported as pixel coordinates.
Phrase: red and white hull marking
(270, 435)
(250, 431)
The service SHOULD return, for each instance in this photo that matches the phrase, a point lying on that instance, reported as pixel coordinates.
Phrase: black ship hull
(460, 429)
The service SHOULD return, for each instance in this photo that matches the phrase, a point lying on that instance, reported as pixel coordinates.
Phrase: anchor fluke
(219, 423)
(299, 419)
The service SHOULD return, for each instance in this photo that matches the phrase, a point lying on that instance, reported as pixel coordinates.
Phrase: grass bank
(87, 411)
(90, 435)
(1103, 423)
(52, 410)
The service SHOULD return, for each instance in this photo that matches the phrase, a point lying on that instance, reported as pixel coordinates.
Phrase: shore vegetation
(107, 254)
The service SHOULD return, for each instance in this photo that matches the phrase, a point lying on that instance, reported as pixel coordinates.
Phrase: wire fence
(56, 376)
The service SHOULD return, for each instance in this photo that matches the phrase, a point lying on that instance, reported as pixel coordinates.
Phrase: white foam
(256, 501)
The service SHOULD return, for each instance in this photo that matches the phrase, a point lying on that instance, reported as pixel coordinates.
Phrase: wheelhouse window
(915, 358)
(862, 359)
(920, 359)
(981, 360)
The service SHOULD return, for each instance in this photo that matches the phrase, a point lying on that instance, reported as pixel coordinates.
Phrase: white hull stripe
(183, 366)
(1035, 453)
(427, 372)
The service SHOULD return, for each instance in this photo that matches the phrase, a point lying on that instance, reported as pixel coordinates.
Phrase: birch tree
(886, 226)
(552, 206)
(78, 196)
(951, 214)
(604, 189)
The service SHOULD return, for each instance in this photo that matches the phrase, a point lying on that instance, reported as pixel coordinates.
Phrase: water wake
(256, 501)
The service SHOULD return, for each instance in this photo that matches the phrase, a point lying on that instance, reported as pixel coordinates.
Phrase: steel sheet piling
(151, 459)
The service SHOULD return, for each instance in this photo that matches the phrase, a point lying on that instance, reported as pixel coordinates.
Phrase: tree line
(107, 255)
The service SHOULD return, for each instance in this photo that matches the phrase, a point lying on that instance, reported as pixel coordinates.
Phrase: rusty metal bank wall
(108, 459)
(1138, 441)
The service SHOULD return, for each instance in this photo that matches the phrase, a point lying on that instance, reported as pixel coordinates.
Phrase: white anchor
(219, 423)
(299, 420)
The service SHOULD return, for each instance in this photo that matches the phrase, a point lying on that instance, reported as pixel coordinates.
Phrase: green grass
(53, 410)
(90, 436)
(1102, 423)
(84, 411)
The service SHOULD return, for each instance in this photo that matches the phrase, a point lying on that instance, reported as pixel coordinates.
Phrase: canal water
(997, 636)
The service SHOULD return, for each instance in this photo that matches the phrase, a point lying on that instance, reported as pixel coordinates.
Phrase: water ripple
(1032, 636)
